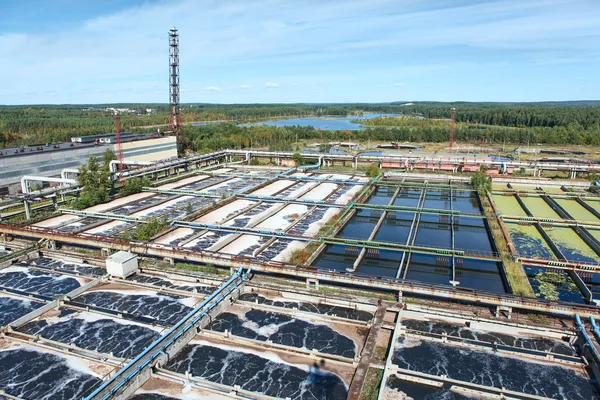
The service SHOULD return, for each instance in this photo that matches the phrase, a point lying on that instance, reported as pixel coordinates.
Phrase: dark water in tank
(103, 335)
(382, 195)
(13, 308)
(567, 290)
(257, 374)
(378, 262)
(361, 224)
(337, 256)
(523, 342)
(286, 330)
(395, 227)
(162, 282)
(418, 391)
(434, 231)
(492, 369)
(164, 309)
(30, 374)
(408, 198)
(33, 281)
(62, 266)
(324, 309)
(473, 274)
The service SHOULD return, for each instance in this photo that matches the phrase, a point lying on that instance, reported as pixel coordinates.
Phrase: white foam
(266, 330)
(15, 268)
(320, 192)
(183, 182)
(347, 196)
(174, 235)
(190, 302)
(221, 185)
(281, 219)
(162, 206)
(222, 212)
(316, 226)
(104, 227)
(240, 244)
(290, 248)
(274, 187)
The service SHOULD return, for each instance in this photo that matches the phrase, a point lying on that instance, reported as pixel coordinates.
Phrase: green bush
(481, 182)
(373, 170)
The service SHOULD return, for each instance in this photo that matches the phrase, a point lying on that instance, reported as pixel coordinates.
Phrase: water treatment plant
(269, 280)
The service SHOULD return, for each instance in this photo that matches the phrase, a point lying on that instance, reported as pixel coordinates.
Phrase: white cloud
(289, 41)
(398, 84)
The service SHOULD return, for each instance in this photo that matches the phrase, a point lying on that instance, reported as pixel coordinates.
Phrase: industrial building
(50, 160)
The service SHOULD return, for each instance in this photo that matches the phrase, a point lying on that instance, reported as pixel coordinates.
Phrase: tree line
(547, 123)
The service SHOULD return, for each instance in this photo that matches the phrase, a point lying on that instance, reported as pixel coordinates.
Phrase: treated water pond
(473, 274)
(553, 284)
(378, 262)
(361, 224)
(383, 195)
(408, 198)
(576, 210)
(337, 257)
(539, 208)
(395, 227)
(571, 245)
(528, 241)
(466, 202)
(508, 205)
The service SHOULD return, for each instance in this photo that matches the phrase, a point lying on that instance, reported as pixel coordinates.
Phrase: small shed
(122, 264)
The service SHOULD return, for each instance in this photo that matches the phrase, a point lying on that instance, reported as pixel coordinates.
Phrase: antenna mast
(118, 144)
(452, 125)
(175, 118)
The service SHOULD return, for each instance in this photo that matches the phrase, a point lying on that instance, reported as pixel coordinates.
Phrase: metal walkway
(133, 375)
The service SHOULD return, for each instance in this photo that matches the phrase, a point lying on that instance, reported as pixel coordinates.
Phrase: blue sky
(263, 51)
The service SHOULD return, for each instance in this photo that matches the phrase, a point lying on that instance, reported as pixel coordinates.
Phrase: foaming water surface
(162, 308)
(257, 373)
(28, 373)
(325, 309)
(490, 369)
(285, 330)
(94, 332)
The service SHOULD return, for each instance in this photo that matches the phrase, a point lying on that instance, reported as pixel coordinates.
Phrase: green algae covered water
(571, 245)
(528, 241)
(508, 205)
(576, 210)
(539, 208)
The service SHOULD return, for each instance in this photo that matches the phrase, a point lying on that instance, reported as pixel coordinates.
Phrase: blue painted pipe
(211, 297)
(588, 341)
(595, 329)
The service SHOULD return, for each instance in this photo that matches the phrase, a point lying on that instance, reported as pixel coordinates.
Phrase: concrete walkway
(365, 357)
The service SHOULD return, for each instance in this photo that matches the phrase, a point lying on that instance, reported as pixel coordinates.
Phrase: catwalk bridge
(133, 375)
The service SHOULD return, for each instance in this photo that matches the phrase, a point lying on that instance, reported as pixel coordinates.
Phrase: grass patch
(205, 269)
(360, 293)
(515, 273)
(36, 216)
(539, 319)
(379, 353)
(370, 389)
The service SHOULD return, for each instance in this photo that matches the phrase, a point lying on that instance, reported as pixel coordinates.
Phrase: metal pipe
(113, 165)
(65, 172)
(31, 178)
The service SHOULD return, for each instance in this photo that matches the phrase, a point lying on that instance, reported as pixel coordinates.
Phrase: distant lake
(334, 123)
